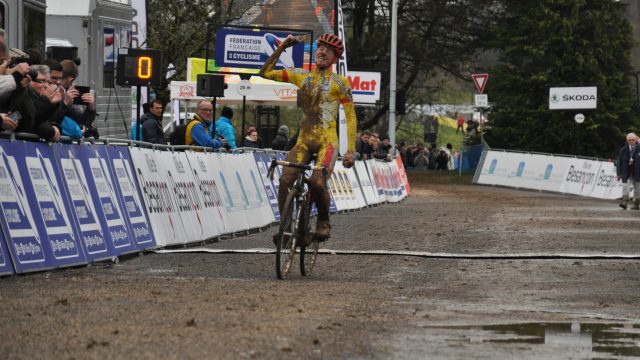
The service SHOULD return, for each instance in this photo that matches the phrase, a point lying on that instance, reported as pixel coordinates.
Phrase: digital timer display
(139, 67)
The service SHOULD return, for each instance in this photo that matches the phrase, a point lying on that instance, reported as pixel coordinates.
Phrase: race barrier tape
(71, 204)
(577, 176)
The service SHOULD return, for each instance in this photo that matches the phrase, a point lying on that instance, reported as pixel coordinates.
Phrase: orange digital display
(145, 64)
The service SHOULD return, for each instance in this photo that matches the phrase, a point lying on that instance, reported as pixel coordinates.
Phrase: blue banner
(37, 223)
(245, 48)
(95, 171)
(131, 196)
(93, 235)
(6, 267)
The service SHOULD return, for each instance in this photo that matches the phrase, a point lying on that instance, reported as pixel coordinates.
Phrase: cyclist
(322, 92)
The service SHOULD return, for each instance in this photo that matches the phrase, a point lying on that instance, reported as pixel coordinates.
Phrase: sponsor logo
(492, 167)
(520, 169)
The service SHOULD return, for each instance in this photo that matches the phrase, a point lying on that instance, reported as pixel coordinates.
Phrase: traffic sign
(480, 80)
(482, 100)
(244, 88)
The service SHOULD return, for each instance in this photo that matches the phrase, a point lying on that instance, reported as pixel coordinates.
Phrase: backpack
(178, 136)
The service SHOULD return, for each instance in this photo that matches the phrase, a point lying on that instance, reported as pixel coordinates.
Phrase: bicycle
(297, 226)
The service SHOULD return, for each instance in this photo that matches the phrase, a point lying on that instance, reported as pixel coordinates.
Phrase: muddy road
(230, 306)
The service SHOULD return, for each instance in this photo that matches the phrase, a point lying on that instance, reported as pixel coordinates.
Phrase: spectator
(251, 138)
(362, 146)
(84, 114)
(442, 160)
(224, 127)
(282, 139)
(628, 171)
(382, 152)
(151, 123)
(41, 104)
(197, 133)
(9, 77)
(460, 122)
(421, 159)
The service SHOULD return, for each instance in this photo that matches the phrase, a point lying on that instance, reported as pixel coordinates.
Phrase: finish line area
(423, 254)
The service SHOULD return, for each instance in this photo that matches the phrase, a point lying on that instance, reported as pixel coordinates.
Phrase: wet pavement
(383, 303)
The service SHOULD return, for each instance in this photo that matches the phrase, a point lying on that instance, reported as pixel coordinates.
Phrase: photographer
(83, 108)
(11, 73)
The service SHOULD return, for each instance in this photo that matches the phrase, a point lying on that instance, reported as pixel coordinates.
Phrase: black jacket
(622, 164)
(280, 142)
(152, 129)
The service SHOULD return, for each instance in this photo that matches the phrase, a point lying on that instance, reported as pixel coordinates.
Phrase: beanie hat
(283, 130)
(227, 112)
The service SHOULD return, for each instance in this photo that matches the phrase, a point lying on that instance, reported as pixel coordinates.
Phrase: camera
(17, 60)
(91, 132)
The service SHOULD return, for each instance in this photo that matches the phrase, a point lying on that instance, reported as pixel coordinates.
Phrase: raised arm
(270, 64)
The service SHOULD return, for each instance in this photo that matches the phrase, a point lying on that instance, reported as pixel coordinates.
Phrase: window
(34, 23)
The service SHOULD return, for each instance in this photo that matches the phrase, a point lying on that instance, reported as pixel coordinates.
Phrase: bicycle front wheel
(308, 245)
(287, 235)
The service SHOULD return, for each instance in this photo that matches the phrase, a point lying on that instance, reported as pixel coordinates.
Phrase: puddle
(594, 339)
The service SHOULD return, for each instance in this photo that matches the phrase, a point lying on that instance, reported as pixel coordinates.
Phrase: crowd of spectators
(431, 157)
(369, 146)
(39, 96)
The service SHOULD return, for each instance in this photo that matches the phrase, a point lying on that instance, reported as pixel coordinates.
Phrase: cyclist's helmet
(333, 42)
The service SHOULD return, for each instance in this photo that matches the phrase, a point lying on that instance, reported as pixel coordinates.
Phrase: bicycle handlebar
(275, 163)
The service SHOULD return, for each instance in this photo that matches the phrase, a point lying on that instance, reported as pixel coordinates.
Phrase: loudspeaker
(209, 85)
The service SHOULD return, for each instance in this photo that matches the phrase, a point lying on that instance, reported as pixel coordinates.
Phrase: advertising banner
(245, 48)
(403, 174)
(263, 161)
(84, 204)
(573, 98)
(174, 168)
(360, 201)
(370, 193)
(6, 267)
(256, 201)
(376, 181)
(607, 185)
(365, 86)
(580, 177)
(497, 167)
(207, 196)
(106, 197)
(38, 223)
(396, 181)
(161, 207)
(27, 248)
(234, 196)
(130, 196)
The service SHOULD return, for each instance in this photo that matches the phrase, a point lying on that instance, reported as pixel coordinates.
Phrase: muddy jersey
(321, 92)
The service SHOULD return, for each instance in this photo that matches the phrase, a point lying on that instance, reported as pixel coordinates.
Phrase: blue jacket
(201, 136)
(225, 129)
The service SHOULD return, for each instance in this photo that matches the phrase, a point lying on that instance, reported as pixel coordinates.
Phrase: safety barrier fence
(67, 204)
(588, 177)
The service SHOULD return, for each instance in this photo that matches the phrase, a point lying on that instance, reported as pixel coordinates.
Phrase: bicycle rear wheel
(287, 235)
(308, 253)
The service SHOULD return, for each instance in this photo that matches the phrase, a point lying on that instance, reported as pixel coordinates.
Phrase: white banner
(365, 86)
(573, 98)
(162, 209)
(607, 185)
(365, 183)
(551, 173)
(580, 177)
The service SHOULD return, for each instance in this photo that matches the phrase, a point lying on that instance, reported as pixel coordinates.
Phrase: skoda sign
(573, 98)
